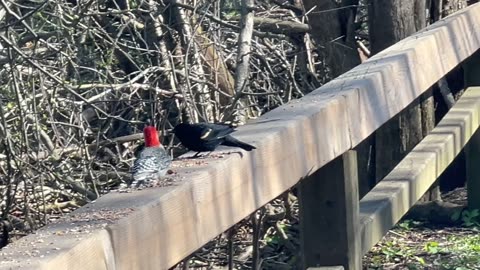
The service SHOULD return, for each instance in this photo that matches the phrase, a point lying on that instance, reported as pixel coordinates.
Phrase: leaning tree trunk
(390, 22)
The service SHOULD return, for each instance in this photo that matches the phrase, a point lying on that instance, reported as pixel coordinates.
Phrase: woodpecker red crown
(151, 136)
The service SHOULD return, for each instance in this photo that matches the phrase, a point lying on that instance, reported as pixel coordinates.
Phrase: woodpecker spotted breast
(205, 137)
(153, 161)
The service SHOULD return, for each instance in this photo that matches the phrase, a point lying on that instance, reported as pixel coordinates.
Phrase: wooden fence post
(471, 68)
(329, 210)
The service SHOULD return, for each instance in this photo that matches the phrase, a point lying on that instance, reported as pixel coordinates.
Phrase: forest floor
(409, 245)
(420, 245)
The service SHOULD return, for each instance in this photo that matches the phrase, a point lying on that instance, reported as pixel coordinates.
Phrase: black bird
(205, 137)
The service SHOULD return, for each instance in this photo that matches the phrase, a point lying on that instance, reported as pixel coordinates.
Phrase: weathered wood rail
(308, 140)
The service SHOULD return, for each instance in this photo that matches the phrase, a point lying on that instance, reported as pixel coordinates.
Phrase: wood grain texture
(156, 228)
(385, 204)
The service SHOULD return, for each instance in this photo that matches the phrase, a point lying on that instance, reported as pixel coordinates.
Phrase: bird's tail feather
(231, 141)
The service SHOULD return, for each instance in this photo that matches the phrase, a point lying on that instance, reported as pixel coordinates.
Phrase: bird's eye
(205, 135)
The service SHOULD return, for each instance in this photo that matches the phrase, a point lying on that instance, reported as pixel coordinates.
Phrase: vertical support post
(472, 158)
(471, 69)
(329, 215)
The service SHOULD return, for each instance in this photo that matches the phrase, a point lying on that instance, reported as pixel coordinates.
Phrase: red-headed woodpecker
(153, 161)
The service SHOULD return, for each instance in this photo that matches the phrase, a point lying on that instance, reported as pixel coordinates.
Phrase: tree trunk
(216, 71)
(390, 22)
(427, 104)
(242, 71)
(455, 175)
(197, 96)
(438, 9)
(428, 123)
(333, 29)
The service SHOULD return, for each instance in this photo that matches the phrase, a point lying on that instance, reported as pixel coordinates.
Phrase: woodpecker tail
(231, 141)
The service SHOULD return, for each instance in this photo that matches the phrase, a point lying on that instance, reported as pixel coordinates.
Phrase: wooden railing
(308, 141)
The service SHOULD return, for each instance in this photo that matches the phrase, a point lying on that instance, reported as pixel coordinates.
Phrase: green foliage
(465, 253)
(408, 224)
(272, 239)
(397, 252)
(232, 14)
(432, 247)
(448, 251)
(469, 218)
(231, 9)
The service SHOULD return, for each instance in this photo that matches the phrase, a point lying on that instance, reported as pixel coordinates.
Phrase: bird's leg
(203, 156)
